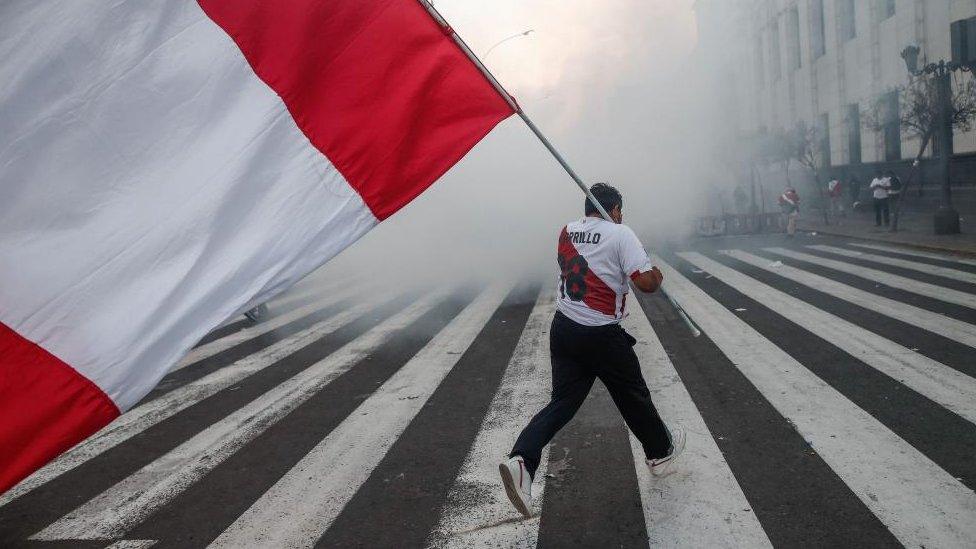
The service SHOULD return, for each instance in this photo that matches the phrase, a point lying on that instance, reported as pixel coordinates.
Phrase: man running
(597, 259)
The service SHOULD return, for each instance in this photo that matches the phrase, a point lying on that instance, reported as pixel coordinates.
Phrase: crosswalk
(821, 409)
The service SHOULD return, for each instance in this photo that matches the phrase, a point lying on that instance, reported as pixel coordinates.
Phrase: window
(793, 39)
(760, 63)
(854, 134)
(891, 116)
(817, 41)
(775, 70)
(963, 38)
(846, 27)
(823, 128)
(886, 8)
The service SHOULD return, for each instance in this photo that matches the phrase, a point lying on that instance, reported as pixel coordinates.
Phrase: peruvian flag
(166, 165)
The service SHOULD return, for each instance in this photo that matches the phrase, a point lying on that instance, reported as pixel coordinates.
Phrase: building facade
(831, 64)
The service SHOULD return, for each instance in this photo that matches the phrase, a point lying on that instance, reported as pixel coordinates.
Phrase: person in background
(789, 201)
(894, 191)
(854, 190)
(836, 193)
(257, 314)
(879, 190)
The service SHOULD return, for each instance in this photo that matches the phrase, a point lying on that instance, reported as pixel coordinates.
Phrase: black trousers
(580, 354)
(880, 207)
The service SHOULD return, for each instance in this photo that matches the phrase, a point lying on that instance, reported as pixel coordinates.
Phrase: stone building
(832, 63)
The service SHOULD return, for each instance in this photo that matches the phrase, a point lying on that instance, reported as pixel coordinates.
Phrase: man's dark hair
(608, 197)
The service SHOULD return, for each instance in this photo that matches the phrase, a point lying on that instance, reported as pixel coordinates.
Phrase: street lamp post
(946, 217)
(506, 39)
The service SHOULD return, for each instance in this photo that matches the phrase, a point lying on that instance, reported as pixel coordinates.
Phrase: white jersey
(880, 186)
(597, 258)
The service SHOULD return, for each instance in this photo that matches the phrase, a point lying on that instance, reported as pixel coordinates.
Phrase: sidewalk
(914, 229)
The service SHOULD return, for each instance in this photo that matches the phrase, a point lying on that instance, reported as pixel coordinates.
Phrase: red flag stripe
(47, 407)
(376, 86)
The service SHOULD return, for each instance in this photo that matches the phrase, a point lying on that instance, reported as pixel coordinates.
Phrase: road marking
(941, 384)
(489, 520)
(133, 544)
(110, 514)
(209, 349)
(145, 416)
(920, 504)
(701, 504)
(951, 328)
(314, 491)
(903, 263)
(880, 277)
(916, 253)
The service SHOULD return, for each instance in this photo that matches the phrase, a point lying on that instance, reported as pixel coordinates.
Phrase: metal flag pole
(538, 133)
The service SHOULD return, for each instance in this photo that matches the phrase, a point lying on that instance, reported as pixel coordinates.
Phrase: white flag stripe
(110, 514)
(314, 491)
(142, 417)
(914, 252)
(486, 521)
(934, 322)
(209, 349)
(941, 384)
(880, 277)
(916, 500)
(701, 504)
(944, 272)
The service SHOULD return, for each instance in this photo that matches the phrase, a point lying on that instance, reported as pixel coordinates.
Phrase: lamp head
(910, 55)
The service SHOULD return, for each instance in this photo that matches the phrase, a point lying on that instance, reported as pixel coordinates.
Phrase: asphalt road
(831, 401)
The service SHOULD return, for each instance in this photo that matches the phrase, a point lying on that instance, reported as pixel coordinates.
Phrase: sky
(608, 82)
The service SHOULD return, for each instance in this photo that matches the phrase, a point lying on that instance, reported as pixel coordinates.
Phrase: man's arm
(648, 281)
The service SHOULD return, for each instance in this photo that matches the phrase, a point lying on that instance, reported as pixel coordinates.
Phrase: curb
(923, 247)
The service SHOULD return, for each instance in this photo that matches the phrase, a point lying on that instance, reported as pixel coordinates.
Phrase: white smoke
(609, 82)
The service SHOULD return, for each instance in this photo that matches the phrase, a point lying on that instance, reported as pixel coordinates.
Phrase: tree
(918, 116)
(804, 144)
(918, 107)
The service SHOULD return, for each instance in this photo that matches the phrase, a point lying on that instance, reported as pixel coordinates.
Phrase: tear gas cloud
(610, 83)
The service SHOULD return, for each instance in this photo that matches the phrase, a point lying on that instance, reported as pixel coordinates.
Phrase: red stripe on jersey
(580, 283)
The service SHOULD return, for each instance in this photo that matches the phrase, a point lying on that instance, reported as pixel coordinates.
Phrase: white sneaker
(660, 466)
(518, 484)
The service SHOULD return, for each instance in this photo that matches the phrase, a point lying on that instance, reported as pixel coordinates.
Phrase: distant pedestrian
(597, 259)
(854, 189)
(836, 194)
(894, 192)
(789, 201)
(879, 190)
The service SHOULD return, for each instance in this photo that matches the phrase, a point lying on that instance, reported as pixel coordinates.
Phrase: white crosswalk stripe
(940, 383)
(700, 505)
(316, 489)
(918, 502)
(110, 514)
(881, 277)
(944, 272)
(142, 417)
(914, 252)
(213, 347)
(524, 390)
(936, 323)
